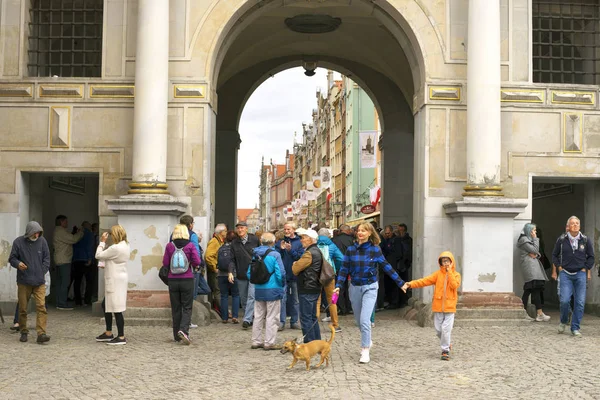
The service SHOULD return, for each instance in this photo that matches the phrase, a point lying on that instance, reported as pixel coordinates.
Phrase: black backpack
(259, 274)
(224, 257)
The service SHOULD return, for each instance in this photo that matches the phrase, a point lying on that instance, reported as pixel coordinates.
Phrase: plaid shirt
(361, 263)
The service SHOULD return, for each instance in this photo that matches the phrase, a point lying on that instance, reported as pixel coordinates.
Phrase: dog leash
(314, 323)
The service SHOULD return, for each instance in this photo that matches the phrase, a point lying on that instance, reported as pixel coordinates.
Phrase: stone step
(147, 312)
(479, 322)
(490, 313)
(143, 321)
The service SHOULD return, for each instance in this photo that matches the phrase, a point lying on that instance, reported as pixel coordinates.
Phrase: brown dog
(308, 350)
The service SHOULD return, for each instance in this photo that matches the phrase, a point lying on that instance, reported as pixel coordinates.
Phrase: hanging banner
(317, 183)
(309, 185)
(311, 195)
(304, 213)
(304, 197)
(367, 149)
(326, 177)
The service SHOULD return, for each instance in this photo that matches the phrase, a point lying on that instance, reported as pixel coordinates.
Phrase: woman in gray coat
(533, 272)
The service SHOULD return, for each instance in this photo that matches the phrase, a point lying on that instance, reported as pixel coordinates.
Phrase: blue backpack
(179, 262)
(224, 257)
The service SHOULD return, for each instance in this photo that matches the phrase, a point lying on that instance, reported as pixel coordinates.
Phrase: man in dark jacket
(242, 247)
(83, 255)
(31, 257)
(344, 240)
(573, 255)
(308, 270)
(391, 247)
(404, 267)
(291, 250)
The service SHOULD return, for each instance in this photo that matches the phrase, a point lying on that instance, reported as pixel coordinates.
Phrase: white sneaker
(193, 326)
(364, 356)
(561, 328)
(326, 319)
(542, 318)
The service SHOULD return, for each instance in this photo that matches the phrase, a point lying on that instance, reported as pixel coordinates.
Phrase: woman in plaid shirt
(361, 263)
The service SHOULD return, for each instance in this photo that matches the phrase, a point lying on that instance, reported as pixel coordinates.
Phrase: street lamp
(337, 210)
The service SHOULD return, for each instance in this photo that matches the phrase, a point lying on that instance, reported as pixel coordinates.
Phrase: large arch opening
(373, 45)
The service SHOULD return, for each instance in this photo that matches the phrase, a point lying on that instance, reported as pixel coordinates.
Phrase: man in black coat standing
(344, 240)
(242, 247)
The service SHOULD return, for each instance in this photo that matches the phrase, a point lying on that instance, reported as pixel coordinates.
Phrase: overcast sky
(273, 113)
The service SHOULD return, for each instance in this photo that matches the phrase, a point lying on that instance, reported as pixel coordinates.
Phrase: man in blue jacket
(573, 255)
(31, 257)
(268, 296)
(291, 250)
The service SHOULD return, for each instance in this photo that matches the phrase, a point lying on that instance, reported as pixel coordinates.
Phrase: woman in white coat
(115, 260)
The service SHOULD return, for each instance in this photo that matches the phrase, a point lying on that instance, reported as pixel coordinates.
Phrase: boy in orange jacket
(445, 296)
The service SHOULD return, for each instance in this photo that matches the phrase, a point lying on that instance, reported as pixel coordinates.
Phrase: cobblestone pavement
(530, 361)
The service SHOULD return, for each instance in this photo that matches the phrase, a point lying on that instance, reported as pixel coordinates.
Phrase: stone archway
(392, 76)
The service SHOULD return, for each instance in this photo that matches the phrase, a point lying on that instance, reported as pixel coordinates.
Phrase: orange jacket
(446, 284)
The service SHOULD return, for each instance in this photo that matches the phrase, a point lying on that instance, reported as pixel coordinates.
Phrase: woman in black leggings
(108, 335)
(533, 271)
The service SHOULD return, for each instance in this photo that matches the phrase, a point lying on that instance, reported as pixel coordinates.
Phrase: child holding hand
(445, 296)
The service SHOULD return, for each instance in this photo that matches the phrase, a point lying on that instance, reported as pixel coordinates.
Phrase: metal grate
(565, 41)
(65, 38)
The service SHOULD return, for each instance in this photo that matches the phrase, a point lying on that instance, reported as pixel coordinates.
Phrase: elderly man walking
(212, 252)
(31, 257)
(573, 255)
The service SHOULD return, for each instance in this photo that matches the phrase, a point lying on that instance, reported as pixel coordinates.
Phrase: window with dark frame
(65, 38)
(566, 41)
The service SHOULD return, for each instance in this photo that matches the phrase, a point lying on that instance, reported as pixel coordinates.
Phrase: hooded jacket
(290, 256)
(273, 289)
(532, 268)
(34, 254)
(445, 294)
(335, 254)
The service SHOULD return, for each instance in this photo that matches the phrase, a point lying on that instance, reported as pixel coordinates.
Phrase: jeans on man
(225, 286)
(243, 286)
(62, 288)
(363, 300)
(572, 285)
(196, 277)
(308, 316)
(24, 293)
(249, 310)
(289, 303)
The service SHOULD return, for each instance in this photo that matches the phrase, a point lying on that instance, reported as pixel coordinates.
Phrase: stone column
(151, 98)
(483, 222)
(483, 96)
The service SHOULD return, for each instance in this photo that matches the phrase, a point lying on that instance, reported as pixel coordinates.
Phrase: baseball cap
(308, 232)
(241, 224)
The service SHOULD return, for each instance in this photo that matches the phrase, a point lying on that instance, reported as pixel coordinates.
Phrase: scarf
(574, 240)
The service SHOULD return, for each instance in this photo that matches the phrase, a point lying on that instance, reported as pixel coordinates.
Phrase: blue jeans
(363, 299)
(62, 288)
(249, 310)
(196, 275)
(572, 285)
(289, 303)
(224, 287)
(308, 316)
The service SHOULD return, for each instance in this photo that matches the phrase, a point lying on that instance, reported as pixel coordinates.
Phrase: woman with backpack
(227, 277)
(181, 256)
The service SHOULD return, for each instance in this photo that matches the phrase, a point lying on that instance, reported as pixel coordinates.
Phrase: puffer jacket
(273, 289)
(445, 294)
(532, 267)
(308, 270)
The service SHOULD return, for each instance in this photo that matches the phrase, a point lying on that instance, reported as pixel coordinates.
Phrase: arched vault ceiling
(361, 39)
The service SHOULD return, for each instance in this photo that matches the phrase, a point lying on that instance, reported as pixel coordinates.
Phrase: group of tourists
(273, 277)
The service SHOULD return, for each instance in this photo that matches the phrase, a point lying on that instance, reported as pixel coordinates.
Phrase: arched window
(565, 41)
(65, 38)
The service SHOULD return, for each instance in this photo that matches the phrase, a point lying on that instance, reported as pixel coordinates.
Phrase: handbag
(327, 273)
(163, 274)
(203, 288)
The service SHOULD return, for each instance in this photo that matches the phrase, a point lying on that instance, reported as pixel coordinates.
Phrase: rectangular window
(65, 38)
(565, 41)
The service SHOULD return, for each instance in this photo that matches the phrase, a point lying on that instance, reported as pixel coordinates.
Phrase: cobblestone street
(530, 361)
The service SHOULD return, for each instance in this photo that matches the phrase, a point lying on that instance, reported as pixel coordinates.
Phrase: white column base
(148, 221)
(484, 228)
